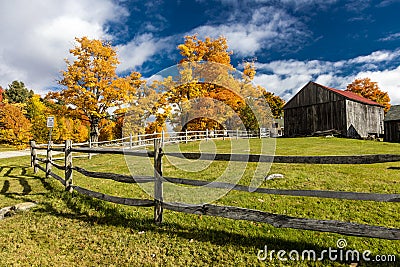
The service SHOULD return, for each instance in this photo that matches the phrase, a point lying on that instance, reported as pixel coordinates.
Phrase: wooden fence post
(33, 156)
(162, 138)
(158, 186)
(90, 146)
(206, 134)
(186, 137)
(49, 159)
(68, 166)
(130, 140)
(237, 134)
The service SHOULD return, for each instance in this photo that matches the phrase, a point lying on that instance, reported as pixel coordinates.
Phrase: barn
(392, 124)
(317, 108)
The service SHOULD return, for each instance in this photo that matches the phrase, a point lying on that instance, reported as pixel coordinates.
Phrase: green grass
(73, 230)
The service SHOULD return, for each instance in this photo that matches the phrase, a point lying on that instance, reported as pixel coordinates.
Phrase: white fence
(144, 140)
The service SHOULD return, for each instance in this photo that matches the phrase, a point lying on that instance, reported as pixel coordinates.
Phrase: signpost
(50, 125)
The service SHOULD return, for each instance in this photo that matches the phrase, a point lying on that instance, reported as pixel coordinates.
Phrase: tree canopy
(96, 102)
(369, 89)
(14, 126)
(206, 93)
(92, 85)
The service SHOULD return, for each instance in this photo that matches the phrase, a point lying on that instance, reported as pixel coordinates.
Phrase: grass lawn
(73, 230)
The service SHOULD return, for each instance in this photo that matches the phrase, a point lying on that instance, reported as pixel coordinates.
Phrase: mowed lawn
(73, 230)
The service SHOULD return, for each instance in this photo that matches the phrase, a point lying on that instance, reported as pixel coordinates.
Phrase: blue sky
(293, 41)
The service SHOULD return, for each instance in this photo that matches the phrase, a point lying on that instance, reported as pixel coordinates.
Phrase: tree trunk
(94, 131)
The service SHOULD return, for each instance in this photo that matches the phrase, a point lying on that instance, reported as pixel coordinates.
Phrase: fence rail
(237, 213)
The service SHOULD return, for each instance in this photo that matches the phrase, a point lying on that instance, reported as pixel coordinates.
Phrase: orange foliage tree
(14, 126)
(368, 89)
(197, 81)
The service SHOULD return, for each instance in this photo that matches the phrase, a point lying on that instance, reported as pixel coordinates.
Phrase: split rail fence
(236, 213)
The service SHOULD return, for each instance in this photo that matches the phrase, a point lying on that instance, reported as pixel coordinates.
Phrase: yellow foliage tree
(92, 85)
(213, 80)
(107, 131)
(37, 112)
(133, 120)
(213, 50)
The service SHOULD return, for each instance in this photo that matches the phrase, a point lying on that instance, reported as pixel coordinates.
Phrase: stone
(274, 176)
(10, 211)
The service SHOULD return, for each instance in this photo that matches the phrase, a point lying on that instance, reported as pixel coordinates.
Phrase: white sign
(50, 122)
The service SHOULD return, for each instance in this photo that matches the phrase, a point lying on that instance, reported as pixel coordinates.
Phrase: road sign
(50, 122)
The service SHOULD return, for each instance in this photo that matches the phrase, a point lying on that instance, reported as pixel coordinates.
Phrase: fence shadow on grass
(21, 174)
(81, 208)
(393, 168)
(80, 205)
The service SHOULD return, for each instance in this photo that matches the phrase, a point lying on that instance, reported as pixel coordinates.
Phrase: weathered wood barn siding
(392, 125)
(318, 108)
(364, 118)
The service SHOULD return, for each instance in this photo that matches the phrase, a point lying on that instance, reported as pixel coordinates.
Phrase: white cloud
(375, 57)
(37, 35)
(267, 27)
(388, 81)
(137, 51)
(305, 4)
(385, 3)
(287, 77)
(391, 37)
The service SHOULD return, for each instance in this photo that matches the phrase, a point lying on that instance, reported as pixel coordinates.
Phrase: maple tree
(37, 113)
(187, 100)
(67, 128)
(92, 85)
(14, 126)
(369, 89)
(107, 131)
(213, 50)
(133, 120)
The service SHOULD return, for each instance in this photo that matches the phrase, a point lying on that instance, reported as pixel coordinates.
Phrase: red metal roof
(351, 96)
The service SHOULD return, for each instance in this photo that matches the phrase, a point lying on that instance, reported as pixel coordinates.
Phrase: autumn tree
(185, 93)
(1, 94)
(369, 89)
(17, 92)
(14, 126)
(205, 72)
(212, 50)
(133, 119)
(37, 113)
(92, 85)
(275, 103)
(67, 128)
